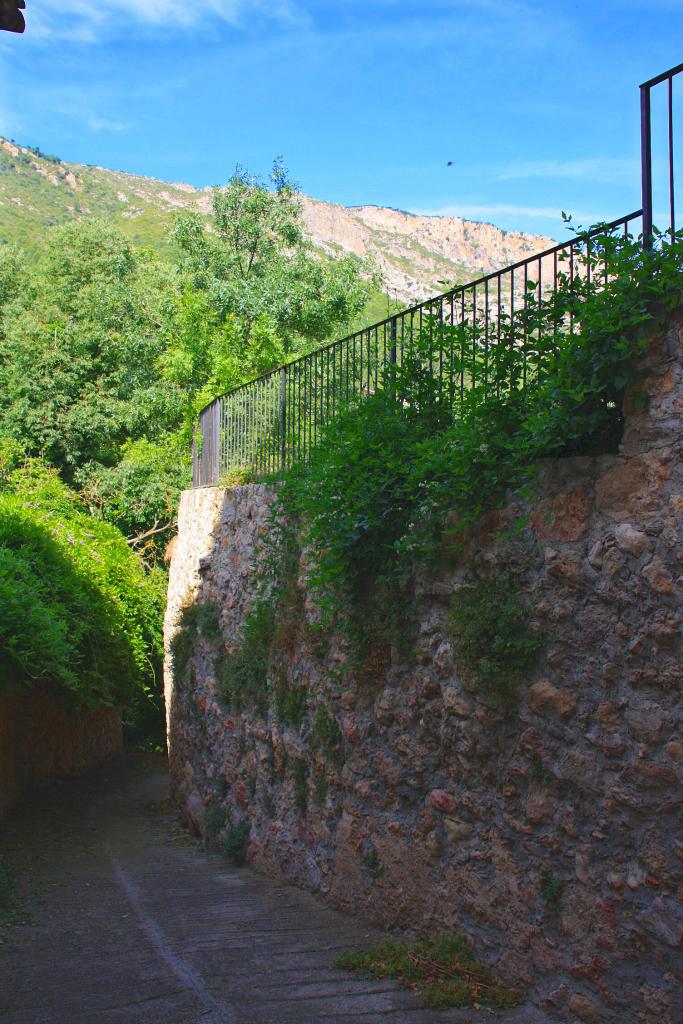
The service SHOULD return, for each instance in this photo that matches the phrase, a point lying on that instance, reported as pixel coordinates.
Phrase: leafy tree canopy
(81, 333)
(261, 280)
(107, 352)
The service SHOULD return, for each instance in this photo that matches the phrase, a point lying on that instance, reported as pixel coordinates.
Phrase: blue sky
(536, 103)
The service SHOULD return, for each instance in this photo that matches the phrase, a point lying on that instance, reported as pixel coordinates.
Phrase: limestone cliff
(415, 254)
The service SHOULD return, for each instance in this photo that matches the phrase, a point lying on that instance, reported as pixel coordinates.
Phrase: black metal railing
(275, 421)
(667, 178)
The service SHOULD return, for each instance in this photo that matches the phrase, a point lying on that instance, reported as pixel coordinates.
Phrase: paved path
(133, 923)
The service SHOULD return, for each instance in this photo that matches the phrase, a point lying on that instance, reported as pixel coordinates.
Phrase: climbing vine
(399, 468)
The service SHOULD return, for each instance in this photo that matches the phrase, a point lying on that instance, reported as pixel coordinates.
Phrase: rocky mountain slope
(416, 255)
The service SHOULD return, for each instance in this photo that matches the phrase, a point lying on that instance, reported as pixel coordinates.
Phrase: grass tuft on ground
(443, 971)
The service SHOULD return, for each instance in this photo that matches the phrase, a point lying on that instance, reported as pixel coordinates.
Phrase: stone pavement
(134, 923)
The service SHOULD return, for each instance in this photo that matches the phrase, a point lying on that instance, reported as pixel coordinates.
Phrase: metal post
(672, 181)
(392, 337)
(283, 417)
(195, 459)
(215, 440)
(646, 163)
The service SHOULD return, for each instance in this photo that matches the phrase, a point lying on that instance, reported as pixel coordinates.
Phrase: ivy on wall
(403, 469)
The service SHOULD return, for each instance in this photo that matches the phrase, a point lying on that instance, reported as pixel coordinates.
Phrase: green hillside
(38, 191)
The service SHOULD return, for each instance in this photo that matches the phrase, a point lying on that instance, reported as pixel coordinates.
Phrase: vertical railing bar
(571, 288)
(440, 345)
(452, 353)
(512, 318)
(646, 164)
(539, 300)
(258, 420)
(321, 398)
(498, 330)
(555, 297)
(312, 408)
(283, 418)
(324, 383)
(330, 384)
(475, 345)
(371, 361)
(348, 347)
(304, 417)
(225, 435)
(486, 339)
(315, 361)
(376, 357)
(216, 428)
(462, 346)
(526, 320)
(333, 385)
(672, 204)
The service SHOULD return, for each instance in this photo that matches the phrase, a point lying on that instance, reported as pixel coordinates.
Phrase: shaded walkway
(134, 923)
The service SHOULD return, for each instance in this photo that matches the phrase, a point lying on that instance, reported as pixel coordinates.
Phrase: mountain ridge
(418, 255)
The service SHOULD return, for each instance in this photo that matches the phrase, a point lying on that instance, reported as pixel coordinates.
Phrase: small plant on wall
(326, 735)
(492, 639)
(242, 676)
(196, 619)
(234, 842)
(300, 773)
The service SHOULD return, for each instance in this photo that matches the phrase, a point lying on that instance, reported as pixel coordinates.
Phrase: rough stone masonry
(552, 837)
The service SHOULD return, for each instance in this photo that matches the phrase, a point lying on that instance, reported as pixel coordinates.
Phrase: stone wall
(551, 836)
(40, 739)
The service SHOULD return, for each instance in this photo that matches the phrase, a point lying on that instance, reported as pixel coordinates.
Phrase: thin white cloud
(502, 209)
(597, 169)
(90, 20)
(105, 124)
(90, 108)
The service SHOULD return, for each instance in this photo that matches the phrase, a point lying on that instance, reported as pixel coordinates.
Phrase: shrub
(77, 608)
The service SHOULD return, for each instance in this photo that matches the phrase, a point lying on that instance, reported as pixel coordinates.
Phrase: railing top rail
(459, 289)
(663, 77)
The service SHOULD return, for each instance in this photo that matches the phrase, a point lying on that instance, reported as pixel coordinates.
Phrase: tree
(263, 286)
(107, 352)
(81, 339)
